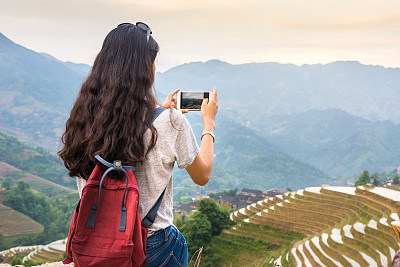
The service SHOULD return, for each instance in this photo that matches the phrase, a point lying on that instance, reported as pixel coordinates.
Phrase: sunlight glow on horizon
(237, 32)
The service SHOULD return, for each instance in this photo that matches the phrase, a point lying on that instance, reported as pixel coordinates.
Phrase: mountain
(79, 68)
(249, 92)
(37, 92)
(336, 142)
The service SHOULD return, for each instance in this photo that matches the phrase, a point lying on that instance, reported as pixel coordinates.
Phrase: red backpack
(106, 229)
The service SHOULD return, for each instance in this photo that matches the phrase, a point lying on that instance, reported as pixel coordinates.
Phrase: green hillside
(49, 217)
(33, 162)
(13, 175)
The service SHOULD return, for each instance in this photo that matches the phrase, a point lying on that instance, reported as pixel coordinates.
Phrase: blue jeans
(166, 247)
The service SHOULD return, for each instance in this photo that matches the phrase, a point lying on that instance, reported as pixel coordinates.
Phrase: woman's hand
(170, 102)
(209, 110)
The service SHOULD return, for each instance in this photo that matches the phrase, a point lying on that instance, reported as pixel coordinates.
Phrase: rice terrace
(341, 226)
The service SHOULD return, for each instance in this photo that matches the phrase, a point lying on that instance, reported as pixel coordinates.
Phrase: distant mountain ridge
(370, 92)
(336, 142)
(37, 92)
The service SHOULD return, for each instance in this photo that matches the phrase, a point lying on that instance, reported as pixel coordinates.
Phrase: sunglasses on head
(141, 25)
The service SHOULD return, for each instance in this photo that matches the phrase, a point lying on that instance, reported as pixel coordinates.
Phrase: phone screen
(193, 100)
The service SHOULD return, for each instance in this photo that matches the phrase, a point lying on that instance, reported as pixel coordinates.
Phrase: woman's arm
(200, 169)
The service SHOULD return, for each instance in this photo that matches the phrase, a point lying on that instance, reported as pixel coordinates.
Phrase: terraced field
(340, 226)
(52, 252)
(37, 183)
(14, 223)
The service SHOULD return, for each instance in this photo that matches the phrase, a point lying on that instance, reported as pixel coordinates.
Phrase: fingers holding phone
(171, 102)
(209, 109)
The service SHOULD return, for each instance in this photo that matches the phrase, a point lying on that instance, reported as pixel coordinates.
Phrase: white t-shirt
(175, 142)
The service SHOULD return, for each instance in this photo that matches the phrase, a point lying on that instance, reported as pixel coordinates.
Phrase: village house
(242, 199)
(185, 209)
(275, 191)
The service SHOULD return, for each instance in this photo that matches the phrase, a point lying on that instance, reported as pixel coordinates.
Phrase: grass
(251, 250)
(273, 231)
(257, 243)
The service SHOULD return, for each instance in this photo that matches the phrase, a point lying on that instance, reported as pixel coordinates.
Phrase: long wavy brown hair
(115, 104)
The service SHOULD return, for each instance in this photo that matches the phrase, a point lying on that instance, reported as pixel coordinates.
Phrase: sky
(237, 32)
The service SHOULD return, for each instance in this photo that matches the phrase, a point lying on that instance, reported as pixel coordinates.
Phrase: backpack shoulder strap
(159, 110)
(151, 216)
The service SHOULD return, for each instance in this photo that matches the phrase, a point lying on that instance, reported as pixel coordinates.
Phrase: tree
(178, 221)
(216, 214)
(16, 261)
(396, 179)
(230, 192)
(197, 231)
(364, 179)
(6, 184)
(22, 186)
(375, 180)
(209, 219)
(289, 189)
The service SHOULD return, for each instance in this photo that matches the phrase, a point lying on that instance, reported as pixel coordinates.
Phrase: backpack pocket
(101, 251)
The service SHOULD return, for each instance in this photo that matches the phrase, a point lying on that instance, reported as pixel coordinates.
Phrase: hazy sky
(285, 31)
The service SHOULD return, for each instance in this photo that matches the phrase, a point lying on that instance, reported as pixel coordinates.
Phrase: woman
(112, 117)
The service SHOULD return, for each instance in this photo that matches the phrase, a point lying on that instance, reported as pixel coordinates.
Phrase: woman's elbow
(202, 181)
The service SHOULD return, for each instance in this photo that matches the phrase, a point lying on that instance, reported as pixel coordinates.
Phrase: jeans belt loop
(165, 235)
